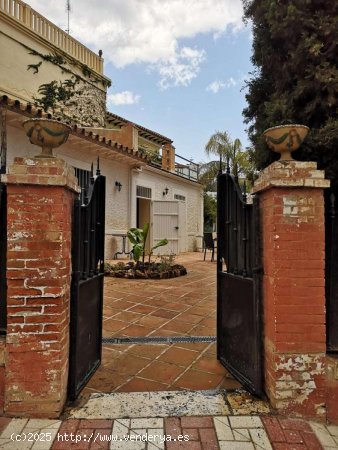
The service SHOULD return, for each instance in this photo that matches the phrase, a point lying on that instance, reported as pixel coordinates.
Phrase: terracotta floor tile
(110, 312)
(128, 316)
(114, 325)
(155, 302)
(164, 333)
(147, 351)
(162, 372)
(180, 356)
(123, 305)
(197, 380)
(201, 311)
(137, 384)
(143, 309)
(165, 313)
(175, 325)
(229, 384)
(209, 322)
(152, 321)
(131, 364)
(207, 363)
(134, 330)
(106, 381)
(174, 306)
(196, 346)
(190, 318)
(212, 349)
(202, 331)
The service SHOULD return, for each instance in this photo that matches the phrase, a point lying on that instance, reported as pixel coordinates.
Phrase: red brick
(208, 438)
(172, 426)
(310, 440)
(295, 424)
(192, 433)
(284, 446)
(183, 446)
(196, 422)
(96, 424)
(293, 437)
(273, 429)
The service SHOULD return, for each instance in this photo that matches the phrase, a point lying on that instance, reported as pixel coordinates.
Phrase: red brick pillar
(40, 199)
(293, 240)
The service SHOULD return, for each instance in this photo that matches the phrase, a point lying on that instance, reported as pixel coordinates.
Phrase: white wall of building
(121, 205)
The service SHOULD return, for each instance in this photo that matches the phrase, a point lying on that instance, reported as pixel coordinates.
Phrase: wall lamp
(165, 192)
(118, 185)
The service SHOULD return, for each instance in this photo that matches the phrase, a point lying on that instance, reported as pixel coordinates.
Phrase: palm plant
(138, 238)
(223, 146)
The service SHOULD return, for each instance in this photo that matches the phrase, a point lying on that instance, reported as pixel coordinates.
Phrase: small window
(179, 197)
(143, 192)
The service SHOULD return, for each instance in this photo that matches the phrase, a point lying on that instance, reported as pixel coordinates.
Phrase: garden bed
(151, 270)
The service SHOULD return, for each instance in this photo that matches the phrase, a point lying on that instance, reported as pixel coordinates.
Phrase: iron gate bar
(239, 340)
(87, 285)
(159, 340)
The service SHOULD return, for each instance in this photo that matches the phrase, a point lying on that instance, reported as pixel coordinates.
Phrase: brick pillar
(40, 199)
(293, 240)
(168, 158)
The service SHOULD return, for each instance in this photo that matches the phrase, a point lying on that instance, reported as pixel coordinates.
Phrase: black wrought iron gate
(331, 267)
(87, 285)
(239, 343)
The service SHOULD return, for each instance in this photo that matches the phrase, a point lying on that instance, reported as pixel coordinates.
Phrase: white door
(166, 226)
(182, 222)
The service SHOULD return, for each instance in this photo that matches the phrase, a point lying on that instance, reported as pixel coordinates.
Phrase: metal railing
(189, 171)
(23, 13)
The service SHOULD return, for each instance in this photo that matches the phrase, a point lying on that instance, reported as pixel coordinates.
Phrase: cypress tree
(295, 54)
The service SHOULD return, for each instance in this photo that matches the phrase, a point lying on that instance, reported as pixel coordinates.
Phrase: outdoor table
(123, 251)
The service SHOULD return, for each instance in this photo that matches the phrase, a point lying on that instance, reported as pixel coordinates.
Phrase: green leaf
(160, 244)
(132, 237)
(145, 232)
(137, 251)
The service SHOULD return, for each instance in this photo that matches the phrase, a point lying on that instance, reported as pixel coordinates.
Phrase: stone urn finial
(285, 139)
(46, 133)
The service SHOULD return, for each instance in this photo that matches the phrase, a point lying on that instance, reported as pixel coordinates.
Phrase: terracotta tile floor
(184, 306)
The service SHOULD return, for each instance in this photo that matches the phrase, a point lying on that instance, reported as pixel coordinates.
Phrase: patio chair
(209, 244)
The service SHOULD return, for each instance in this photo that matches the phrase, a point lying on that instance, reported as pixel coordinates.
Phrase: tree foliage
(210, 212)
(230, 152)
(295, 48)
(220, 144)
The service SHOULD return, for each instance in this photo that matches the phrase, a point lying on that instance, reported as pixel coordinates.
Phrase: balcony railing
(186, 168)
(23, 13)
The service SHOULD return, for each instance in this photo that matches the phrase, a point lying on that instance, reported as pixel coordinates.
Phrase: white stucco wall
(121, 206)
(158, 181)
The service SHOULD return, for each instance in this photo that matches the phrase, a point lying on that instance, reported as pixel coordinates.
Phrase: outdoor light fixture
(118, 185)
(165, 192)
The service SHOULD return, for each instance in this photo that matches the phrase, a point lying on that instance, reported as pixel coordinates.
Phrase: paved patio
(178, 306)
(184, 306)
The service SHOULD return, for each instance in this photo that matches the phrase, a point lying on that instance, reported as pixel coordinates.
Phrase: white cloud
(217, 85)
(147, 31)
(181, 69)
(123, 98)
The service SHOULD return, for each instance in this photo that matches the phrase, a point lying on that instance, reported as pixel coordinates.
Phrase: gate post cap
(290, 174)
(43, 172)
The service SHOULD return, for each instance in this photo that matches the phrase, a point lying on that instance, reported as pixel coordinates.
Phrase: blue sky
(176, 67)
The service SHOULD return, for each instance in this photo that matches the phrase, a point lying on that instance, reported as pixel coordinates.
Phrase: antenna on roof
(68, 8)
